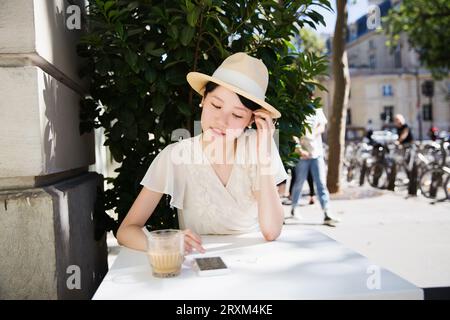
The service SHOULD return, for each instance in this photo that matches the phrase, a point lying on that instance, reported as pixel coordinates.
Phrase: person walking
(311, 158)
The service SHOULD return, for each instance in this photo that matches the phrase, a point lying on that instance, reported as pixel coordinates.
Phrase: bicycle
(434, 183)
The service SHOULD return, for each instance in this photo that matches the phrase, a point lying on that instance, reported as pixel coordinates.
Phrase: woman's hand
(265, 131)
(304, 154)
(192, 241)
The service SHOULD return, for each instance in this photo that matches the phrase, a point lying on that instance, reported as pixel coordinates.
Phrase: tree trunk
(341, 76)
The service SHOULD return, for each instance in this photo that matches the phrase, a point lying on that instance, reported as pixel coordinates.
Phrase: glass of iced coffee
(166, 252)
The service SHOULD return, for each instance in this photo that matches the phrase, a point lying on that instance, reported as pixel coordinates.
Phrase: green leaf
(150, 75)
(173, 76)
(158, 11)
(127, 117)
(173, 31)
(119, 29)
(116, 152)
(131, 58)
(157, 52)
(133, 5)
(158, 103)
(103, 66)
(185, 109)
(189, 5)
(186, 35)
(149, 47)
(131, 132)
(108, 5)
(170, 64)
(218, 43)
(133, 32)
(113, 13)
(115, 133)
(192, 16)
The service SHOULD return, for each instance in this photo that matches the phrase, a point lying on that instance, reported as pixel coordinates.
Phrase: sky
(356, 9)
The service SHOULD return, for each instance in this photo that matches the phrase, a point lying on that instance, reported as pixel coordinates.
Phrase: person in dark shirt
(403, 130)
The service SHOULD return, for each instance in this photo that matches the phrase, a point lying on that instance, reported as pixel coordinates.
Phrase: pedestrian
(404, 133)
(311, 158)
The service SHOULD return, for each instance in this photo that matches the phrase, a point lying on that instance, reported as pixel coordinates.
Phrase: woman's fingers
(194, 244)
(193, 235)
(193, 241)
(262, 123)
(266, 117)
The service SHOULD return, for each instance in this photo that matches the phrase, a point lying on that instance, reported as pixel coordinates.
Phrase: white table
(300, 264)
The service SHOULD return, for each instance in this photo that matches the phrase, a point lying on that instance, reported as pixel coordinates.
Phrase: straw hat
(242, 74)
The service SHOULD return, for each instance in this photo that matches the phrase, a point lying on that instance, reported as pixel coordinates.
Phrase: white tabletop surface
(300, 264)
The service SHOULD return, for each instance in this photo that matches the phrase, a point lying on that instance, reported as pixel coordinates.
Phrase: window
(372, 61)
(353, 32)
(387, 90)
(388, 114)
(397, 58)
(427, 112)
(348, 120)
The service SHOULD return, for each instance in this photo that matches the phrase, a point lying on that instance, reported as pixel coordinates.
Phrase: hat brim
(198, 81)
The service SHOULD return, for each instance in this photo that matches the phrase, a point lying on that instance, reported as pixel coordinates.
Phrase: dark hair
(211, 86)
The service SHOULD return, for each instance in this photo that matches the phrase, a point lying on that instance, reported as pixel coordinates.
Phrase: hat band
(240, 81)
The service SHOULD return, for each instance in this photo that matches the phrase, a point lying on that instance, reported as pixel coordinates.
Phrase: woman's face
(223, 115)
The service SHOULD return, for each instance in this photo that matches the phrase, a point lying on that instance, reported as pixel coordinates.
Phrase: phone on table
(210, 266)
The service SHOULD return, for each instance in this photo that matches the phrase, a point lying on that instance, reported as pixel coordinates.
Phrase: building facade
(387, 81)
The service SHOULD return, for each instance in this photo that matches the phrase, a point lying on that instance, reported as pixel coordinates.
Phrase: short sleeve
(166, 176)
(277, 169)
(321, 119)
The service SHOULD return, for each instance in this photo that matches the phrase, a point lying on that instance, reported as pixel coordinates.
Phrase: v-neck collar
(208, 163)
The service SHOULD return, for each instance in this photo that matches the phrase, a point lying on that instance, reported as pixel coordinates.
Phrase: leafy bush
(137, 57)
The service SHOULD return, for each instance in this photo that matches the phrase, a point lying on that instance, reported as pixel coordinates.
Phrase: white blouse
(204, 204)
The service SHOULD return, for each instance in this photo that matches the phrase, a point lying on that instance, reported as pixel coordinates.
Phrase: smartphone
(210, 266)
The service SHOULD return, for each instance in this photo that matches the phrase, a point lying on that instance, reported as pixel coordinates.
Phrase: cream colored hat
(242, 74)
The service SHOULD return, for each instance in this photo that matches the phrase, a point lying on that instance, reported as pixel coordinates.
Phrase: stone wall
(47, 194)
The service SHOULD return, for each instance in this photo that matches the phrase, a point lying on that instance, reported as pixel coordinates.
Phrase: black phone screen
(211, 263)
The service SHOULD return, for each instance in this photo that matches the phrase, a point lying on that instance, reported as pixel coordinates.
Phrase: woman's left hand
(265, 130)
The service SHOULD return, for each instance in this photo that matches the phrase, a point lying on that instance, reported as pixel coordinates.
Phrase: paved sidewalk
(410, 237)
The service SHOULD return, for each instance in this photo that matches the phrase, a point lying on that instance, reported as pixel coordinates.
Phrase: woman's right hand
(192, 241)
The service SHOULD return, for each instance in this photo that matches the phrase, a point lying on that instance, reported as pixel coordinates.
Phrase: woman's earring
(200, 105)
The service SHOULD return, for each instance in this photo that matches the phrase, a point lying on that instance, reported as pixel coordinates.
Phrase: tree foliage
(309, 41)
(427, 26)
(138, 54)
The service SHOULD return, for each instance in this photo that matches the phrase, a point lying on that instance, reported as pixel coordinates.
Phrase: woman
(224, 180)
